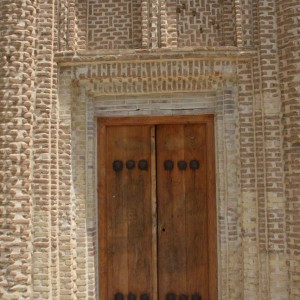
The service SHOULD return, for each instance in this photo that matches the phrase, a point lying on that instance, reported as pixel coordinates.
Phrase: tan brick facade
(65, 63)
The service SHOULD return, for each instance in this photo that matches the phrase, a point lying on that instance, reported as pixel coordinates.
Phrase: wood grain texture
(171, 211)
(183, 263)
(212, 212)
(156, 120)
(196, 211)
(157, 228)
(154, 213)
(102, 212)
(128, 203)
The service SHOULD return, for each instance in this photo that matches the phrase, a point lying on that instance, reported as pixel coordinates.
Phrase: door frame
(208, 119)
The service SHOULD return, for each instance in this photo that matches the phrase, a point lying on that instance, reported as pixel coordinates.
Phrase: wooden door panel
(157, 227)
(182, 211)
(129, 231)
(196, 211)
(171, 211)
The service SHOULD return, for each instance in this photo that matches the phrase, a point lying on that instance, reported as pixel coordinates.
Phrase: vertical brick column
(171, 14)
(154, 24)
(79, 173)
(73, 26)
(17, 102)
(270, 189)
(247, 11)
(81, 23)
(249, 205)
(163, 24)
(228, 24)
(238, 29)
(67, 26)
(45, 194)
(66, 205)
(145, 23)
(288, 12)
(229, 196)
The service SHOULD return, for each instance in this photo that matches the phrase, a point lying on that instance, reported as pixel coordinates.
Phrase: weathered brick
(66, 62)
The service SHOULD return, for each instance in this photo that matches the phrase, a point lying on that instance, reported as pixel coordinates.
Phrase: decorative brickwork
(81, 24)
(248, 13)
(271, 200)
(115, 25)
(17, 105)
(289, 54)
(64, 63)
(199, 23)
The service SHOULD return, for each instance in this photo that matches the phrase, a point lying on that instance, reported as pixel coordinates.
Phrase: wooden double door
(157, 212)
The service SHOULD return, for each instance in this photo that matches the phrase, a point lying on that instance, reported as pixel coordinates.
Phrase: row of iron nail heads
(170, 296)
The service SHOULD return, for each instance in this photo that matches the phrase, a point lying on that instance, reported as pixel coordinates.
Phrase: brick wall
(63, 63)
(270, 186)
(289, 54)
(45, 274)
(17, 104)
(114, 25)
(200, 23)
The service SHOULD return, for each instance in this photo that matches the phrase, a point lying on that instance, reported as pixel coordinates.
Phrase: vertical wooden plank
(212, 211)
(184, 253)
(154, 213)
(102, 212)
(171, 212)
(196, 211)
(128, 212)
(138, 197)
(117, 228)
